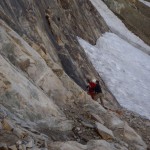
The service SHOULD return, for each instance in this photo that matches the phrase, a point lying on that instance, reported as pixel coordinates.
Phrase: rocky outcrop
(19, 137)
(26, 137)
(104, 132)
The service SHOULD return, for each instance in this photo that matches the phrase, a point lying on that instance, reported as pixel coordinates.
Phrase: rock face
(42, 76)
(53, 26)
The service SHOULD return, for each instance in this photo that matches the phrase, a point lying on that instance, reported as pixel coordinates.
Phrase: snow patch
(124, 68)
(117, 26)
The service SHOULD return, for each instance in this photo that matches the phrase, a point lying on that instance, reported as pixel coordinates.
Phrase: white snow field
(121, 61)
(145, 2)
(116, 26)
(124, 69)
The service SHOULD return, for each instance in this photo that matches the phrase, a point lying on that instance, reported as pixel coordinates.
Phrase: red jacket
(91, 88)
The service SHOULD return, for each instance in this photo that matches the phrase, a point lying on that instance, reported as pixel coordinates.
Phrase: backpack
(98, 89)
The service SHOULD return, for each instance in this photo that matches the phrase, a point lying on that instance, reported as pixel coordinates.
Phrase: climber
(91, 88)
(98, 93)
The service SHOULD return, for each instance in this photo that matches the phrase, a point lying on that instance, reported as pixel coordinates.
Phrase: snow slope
(116, 26)
(145, 2)
(120, 59)
(125, 70)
